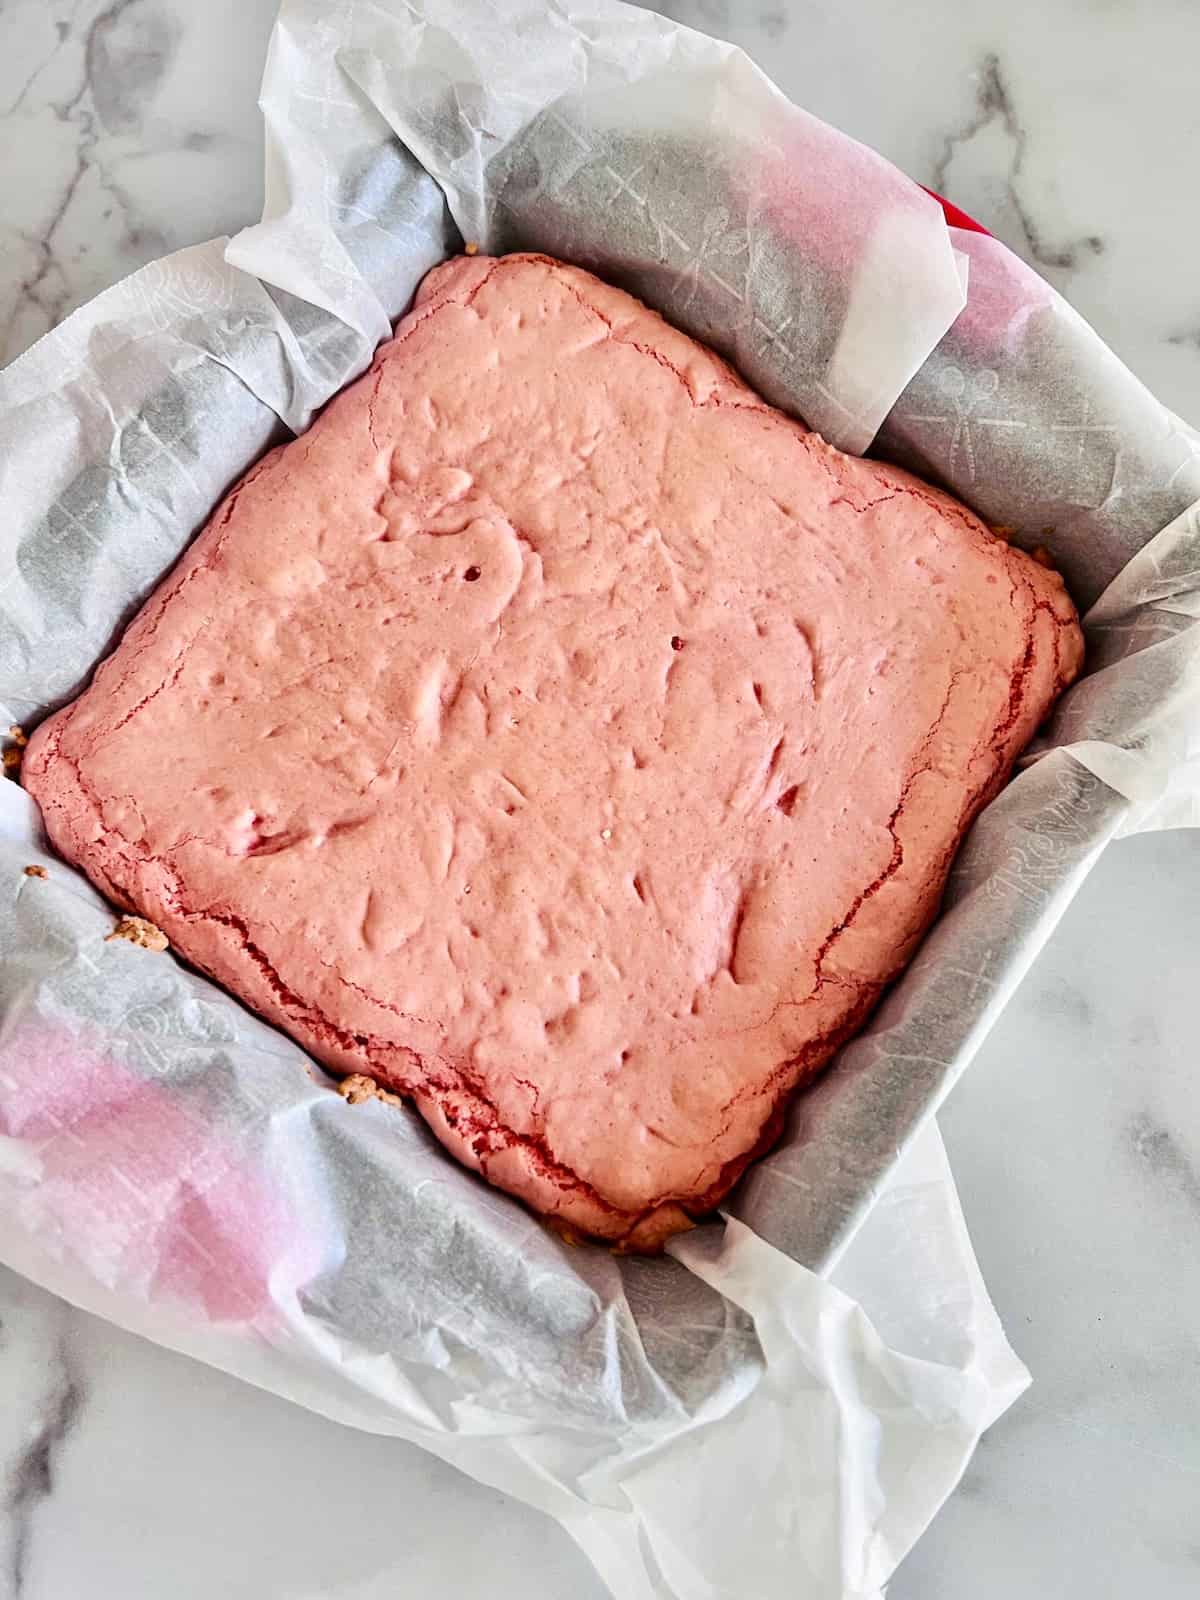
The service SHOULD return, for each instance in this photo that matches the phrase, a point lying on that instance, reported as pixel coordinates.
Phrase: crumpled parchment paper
(723, 1421)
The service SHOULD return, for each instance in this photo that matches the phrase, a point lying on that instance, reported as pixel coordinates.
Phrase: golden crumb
(632, 1247)
(1042, 556)
(358, 1087)
(471, 248)
(140, 932)
(13, 752)
(565, 1231)
(1002, 531)
(36, 872)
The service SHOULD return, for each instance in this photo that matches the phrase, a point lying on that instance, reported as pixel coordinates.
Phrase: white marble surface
(1068, 127)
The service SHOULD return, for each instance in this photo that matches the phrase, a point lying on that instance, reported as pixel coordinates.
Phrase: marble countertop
(129, 128)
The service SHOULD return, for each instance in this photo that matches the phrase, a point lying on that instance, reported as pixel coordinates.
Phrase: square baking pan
(783, 244)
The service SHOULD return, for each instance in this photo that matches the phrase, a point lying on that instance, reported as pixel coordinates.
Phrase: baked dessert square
(561, 737)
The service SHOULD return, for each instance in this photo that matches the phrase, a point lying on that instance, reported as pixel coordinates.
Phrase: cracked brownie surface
(561, 737)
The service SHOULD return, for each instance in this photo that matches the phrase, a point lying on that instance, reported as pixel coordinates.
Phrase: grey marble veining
(996, 125)
(1068, 128)
(175, 1482)
(31, 1476)
(1164, 1158)
(43, 1394)
(113, 148)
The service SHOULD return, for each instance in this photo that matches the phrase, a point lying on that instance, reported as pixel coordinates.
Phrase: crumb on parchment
(140, 932)
(565, 1232)
(358, 1087)
(1039, 552)
(14, 750)
(34, 871)
(471, 248)
(631, 1247)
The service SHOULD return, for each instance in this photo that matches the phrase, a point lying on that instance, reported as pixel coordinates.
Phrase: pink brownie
(563, 738)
